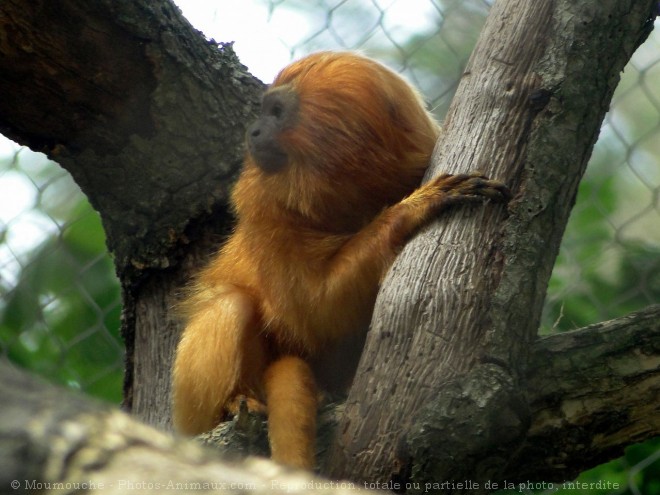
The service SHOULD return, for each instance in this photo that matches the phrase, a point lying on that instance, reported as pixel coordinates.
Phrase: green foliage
(597, 277)
(636, 473)
(61, 317)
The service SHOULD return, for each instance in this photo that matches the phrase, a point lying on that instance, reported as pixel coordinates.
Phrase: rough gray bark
(440, 392)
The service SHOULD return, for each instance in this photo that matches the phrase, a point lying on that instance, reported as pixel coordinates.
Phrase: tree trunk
(440, 392)
(149, 118)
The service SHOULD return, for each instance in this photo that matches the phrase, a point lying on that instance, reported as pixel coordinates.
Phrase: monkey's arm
(356, 270)
(401, 221)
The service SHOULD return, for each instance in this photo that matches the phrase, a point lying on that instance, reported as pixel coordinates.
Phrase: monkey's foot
(243, 404)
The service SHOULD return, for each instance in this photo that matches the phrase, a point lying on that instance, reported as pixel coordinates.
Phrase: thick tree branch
(149, 118)
(121, 94)
(53, 439)
(592, 392)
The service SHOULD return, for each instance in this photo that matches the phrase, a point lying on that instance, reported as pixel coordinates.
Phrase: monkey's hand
(358, 267)
(425, 203)
(448, 189)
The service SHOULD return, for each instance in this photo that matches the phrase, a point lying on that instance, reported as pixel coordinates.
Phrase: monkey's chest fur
(290, 273)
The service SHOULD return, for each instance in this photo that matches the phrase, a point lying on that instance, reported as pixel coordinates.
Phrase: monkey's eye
(280, 105)
(277, 110)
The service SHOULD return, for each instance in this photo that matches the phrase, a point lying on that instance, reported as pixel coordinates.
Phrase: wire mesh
(59, 299)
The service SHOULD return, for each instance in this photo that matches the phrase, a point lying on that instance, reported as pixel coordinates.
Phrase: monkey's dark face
(279, 111)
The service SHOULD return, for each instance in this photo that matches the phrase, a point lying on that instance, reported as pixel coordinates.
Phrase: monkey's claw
(492, 189)
(477, 184)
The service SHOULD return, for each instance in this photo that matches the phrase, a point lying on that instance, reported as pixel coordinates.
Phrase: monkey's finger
(449, 181)
(484, 187)
(494, 190)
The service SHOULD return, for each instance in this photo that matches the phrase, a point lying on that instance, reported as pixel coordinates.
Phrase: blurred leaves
(60, 315)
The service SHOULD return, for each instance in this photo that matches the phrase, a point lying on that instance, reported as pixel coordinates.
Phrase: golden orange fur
(341, 142)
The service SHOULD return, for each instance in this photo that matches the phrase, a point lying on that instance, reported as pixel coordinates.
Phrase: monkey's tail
(209, 360)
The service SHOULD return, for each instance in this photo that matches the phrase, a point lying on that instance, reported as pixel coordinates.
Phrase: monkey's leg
(292, 402)
(216, 345)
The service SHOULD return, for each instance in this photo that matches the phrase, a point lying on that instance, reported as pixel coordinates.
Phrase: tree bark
(148, 117)
(591, 392)
(54, 440)
(440, 390)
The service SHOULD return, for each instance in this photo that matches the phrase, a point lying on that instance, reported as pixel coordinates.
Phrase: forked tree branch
(440, 393)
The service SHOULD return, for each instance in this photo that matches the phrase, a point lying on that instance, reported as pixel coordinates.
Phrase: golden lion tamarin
(326, 199)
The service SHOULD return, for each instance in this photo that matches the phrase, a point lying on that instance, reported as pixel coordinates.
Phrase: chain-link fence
(59, 298)
(59, 302)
